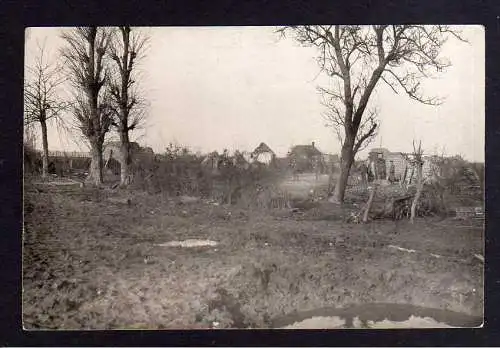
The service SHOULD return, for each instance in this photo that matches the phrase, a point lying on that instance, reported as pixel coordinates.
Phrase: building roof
(379, 150)
(394, 154)
(307, 150)
(262, 148)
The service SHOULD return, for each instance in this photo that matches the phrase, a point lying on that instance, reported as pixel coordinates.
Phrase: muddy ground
(92, 261)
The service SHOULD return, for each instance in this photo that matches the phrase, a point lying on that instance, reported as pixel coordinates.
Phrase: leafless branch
(410, 84)
(367, 131)
(128, 47)
(357, 57)
(84, 55)
(43, 81)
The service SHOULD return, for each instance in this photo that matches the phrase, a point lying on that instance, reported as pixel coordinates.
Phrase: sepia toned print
(322, 176)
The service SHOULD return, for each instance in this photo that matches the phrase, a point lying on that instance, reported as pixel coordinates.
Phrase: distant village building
(377, 166)
(380, 160)
(263, 154)
(400, 163)
(306, 156)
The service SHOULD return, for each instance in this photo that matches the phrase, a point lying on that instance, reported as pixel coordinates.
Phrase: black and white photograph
(253, 177)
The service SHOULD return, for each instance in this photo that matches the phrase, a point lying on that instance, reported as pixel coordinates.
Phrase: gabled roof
(395, 155)
(307, 150)
(262, 148)
(379, 150)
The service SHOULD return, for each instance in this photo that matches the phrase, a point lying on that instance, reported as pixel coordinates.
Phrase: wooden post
(369, 203)
(419, 163)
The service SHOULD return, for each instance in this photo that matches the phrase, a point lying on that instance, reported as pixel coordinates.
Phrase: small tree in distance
(356, 58)
(42, 102)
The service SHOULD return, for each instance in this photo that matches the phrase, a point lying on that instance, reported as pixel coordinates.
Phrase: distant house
(384, 157)
(379, 163)
(263, 154)
(305, 156)
(378, 152)
(400, 163)
(305, 151)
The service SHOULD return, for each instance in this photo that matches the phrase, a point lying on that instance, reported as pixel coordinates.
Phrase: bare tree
(356, 58)
(127, 47)
(85, 56)
(42, 101)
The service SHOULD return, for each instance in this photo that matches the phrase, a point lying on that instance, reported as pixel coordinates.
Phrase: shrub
(180, 172)
(32, 160)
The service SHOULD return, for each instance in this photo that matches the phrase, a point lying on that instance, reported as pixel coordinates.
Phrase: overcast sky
(233, 87)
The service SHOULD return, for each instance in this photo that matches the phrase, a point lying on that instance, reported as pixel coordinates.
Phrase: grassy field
(91, 261)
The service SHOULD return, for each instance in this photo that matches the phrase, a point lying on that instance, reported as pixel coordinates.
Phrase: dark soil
(90, 262)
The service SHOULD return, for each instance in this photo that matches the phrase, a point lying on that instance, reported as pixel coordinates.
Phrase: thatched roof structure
(262, 148)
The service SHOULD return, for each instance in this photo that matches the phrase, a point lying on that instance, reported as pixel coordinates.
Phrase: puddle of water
(412, 322)
(339, 323)
(377, 316)
(318, 323)
(189, 243)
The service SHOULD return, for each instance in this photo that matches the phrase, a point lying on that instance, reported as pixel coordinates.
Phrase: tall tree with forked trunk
(127, 48)
(86, 60)
(356, 58)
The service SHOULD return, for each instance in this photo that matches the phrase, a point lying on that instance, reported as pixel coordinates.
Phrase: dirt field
(92, 261)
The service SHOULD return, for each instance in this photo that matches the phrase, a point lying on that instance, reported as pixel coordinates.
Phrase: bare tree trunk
(126, 159)
(345, 167)
(402, 181)
(419, 192)
(45, 152)
(341, 185)
(96, 164)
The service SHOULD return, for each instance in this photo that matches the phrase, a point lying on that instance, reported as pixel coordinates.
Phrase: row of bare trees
(100, 65)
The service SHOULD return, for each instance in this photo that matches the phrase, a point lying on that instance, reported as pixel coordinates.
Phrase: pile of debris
(394, 202)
